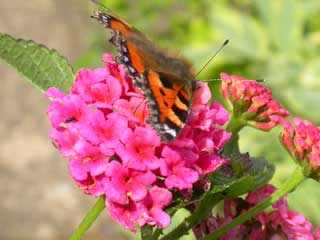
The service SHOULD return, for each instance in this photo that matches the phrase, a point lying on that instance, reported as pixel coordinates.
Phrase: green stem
(289, 186)
(232, 146)
(235, 124)
(202, 211)
(89, 219)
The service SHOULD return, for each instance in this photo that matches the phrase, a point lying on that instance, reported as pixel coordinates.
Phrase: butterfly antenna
(215, 54)
(259, 80)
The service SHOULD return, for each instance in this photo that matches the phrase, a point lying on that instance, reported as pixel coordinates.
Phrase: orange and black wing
(170, 101)
(138, 53)
(122, 37)
(166, 81)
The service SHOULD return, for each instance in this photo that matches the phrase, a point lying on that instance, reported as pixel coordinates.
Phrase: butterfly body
(165, 80)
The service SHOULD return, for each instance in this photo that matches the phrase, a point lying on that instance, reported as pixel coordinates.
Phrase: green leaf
(44, 68)
(243, 174)
(179, 217)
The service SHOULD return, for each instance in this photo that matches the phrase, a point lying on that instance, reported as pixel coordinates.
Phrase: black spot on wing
(167, 137)
(183, 99)
(166, 82)
(171, 125)
(162, 92)
(180, 113)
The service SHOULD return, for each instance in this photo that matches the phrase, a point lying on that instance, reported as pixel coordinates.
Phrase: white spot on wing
(125, 59)
(170, 131)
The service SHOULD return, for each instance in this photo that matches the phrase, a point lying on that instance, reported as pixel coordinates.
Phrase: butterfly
(166, 81)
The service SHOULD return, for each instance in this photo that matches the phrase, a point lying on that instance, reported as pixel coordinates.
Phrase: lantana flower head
(279, 223)
(101, 127)
(252, 101)
(302, 140)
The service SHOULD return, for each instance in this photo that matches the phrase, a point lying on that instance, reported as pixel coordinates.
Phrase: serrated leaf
(242, 175)
(232, 186)
(241, 186)
(43, 67)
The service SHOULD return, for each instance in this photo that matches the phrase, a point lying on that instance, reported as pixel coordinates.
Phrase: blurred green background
(277, 40)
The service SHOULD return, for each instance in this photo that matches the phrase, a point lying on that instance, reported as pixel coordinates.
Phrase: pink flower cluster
(100, 126)
(253, 100)
(302, 140)
(280, 223)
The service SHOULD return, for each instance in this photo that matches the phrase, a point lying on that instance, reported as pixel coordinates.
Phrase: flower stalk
(235, 124)
(89, 219)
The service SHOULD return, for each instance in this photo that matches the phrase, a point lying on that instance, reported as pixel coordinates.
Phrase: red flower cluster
(253, 101)
(302, 141)
(101, 128)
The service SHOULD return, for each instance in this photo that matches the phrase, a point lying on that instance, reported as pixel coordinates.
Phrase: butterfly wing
(170, 100)
(165, 80)
(138, 53)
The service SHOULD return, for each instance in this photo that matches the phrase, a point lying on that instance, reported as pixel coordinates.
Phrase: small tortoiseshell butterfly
(166, 81)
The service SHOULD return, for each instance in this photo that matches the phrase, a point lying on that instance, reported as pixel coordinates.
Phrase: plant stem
(235, 124)
(296, 178)
(202, 211)
(232, 146)
(89, 219)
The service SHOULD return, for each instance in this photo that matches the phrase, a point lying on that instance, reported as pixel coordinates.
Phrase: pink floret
(101, 127)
